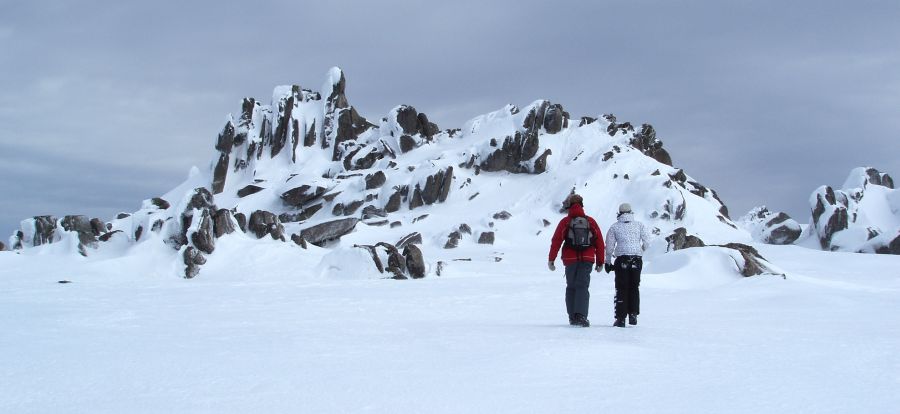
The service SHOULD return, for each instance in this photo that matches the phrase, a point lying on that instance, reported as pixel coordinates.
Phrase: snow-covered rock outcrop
(769, 227)
(862, 216)
(309, 169)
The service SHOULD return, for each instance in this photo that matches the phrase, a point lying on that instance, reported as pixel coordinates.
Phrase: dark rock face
(204, 238)
(878, 178)
(105, 237)
(375, 180)
(555, 119)
(829, 215)
(223, 223)
(331, 230)
(264, 222)
(503, 215)
(647, 143)
(408, 119)
(299, 240)
(299, 196)
(437, 186)
(248, 190)
(44, 230)
(540, 164)
(81, 225)
(160, 203)
(782, 230)
(223, 145)
(415, 262)
(2, 247)
(98, 227)
(512, 154)
(193, 259)
(891, 248)
(679, 239)
(242, 221)
(753, 261)
(486, 237)
(393, 203)
(452, 240)
(412, 238)
(407, 143)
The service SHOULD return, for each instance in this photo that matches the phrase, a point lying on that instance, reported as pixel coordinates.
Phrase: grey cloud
(763, 101)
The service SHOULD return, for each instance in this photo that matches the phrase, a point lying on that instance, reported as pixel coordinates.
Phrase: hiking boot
(571, 319)
(620, 322)
(632, 319)
(581, 320)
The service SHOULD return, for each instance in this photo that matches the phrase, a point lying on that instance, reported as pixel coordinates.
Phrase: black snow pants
(578, 279)
(628, 279)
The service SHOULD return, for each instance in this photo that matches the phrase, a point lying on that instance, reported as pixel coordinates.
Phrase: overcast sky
(106, 103)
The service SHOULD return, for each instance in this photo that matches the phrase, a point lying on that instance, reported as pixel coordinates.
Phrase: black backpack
(580, 236)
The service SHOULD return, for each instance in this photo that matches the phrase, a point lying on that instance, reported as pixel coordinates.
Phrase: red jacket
(570, 255)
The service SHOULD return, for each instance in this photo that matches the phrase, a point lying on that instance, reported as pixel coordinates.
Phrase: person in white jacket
(626, 240)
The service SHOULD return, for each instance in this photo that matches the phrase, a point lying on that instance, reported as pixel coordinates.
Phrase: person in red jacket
(582, 248)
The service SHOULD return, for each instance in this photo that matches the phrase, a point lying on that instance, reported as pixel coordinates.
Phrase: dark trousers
(578, 279)
(628, 279)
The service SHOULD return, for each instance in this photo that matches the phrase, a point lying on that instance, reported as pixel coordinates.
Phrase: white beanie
(624, 208)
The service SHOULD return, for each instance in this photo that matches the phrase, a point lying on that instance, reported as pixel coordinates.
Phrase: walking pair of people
(583, 248)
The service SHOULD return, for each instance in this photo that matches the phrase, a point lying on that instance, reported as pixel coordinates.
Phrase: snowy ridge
(309, 169)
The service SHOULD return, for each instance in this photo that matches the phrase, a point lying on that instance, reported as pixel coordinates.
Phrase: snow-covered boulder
(863, 216)
(769, 227)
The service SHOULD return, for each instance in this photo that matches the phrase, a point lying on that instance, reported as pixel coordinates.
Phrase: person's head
(573, 199)
(624, 208)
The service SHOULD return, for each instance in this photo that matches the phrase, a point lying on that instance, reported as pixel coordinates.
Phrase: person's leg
(571, 271)
(635, 300)
(621, 288)
(582, 285)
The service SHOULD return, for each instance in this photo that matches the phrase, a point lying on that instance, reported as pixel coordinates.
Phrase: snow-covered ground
(486, 336)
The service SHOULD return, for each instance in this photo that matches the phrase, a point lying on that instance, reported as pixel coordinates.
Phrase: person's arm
(645, 238)
(610, 243)
(599, 246)
(557, 240)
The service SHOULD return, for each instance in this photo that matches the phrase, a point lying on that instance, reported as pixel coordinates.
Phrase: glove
(608, 267)
(598, 267)
(551, 266)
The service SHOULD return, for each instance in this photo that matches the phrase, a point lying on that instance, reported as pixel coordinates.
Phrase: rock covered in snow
(771, 228)
(863, 216)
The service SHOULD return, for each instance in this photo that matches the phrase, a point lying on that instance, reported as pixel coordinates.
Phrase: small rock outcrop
(772, 228)
(415, 262)
(264, 223)
(646, 142)
(754, 264)
(679, 239)
(81, 226)
(330, 230)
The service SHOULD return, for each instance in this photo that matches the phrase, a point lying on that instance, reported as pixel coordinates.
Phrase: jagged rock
(304, 214)
(545, 222)
(394, 201)
(679, 239)
(420, 218)
(138, 232)
(157, 226)
(223, 223)
(396, 263)
(514, 151)
(891, 248)
(122, 216)
(415, 263)
(105, 237)
(587, 120)
(414, 238)
(242, 221)
(770, 227)
(452, 240)
(204, 238)
(193, 259)
(98, 227)
(299, 240)
(407, 143)
(330, 230)
(264, 222)
(248, 190)
(753, 261)
(647, 143)
(540, 164)
(160, 203)
(486, 237)
(375, 180)
(437, 187)
(80, 225)
(396, 224)
(223, 145)
(465, 229)
(555, 119)
(370, 212)
(503, 215)
(426, 127)
(878, 178)
(44, 230)
(299, 196)
(829, 214)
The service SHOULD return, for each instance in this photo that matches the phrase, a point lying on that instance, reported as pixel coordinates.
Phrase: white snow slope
(267, 326)
(487, 336)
